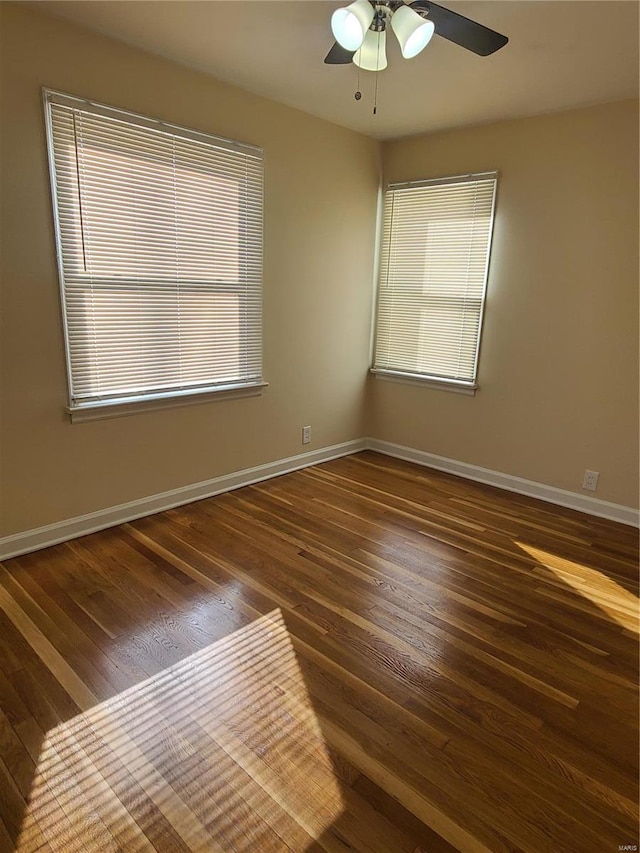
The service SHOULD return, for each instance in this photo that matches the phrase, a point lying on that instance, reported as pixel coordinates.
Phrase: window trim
(151, 123)
(98, 409)
(427, 380)
(439, 383)
(117, 408)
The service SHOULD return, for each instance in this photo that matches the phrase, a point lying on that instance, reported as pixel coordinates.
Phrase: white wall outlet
(590, 481)
(306, 435)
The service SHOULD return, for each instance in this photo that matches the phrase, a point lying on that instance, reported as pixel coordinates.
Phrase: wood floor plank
(365, 655)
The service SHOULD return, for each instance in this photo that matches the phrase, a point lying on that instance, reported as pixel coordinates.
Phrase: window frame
(434, 381)
(148, 400)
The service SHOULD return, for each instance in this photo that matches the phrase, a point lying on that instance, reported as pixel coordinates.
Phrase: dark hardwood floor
(365, 655)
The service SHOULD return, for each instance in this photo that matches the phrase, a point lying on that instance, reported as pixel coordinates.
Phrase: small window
(159, 233)
(433, 272)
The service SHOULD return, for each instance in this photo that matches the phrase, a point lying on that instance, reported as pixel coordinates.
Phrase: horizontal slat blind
(160, 244)
(433, 268)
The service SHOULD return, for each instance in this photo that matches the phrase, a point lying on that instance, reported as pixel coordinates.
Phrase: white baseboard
(61, 531)
(550, 494)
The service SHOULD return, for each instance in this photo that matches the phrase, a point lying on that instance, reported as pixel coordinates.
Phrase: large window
(433, 271)
(159, 233)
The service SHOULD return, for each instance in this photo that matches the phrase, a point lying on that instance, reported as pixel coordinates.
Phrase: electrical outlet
(590, 481)
(306, 435)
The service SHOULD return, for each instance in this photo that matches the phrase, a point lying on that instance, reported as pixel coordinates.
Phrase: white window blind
(433, 271)
(159, 233)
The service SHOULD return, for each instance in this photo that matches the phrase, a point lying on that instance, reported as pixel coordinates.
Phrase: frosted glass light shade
(350, 24)
(372, 56)
(412, 31)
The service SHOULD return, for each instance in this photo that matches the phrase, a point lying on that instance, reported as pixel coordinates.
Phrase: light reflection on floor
(619, 604)
(221, 750)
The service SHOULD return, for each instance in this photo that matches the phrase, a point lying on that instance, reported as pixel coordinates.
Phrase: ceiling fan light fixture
(351, 24)
(372, 56)
(412, 31)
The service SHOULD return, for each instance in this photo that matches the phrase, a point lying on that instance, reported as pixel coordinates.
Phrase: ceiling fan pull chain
(375, 90)
(358, 93)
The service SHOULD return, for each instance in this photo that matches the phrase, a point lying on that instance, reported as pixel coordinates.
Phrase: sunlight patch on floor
(608, 596)
(222, 750)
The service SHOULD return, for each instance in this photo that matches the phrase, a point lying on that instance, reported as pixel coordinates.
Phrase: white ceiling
(561, 53)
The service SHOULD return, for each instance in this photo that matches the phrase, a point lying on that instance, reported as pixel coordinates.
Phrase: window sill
(154, 402)
(467, 388)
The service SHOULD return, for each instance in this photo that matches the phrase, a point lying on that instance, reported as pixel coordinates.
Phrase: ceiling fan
(360, 31)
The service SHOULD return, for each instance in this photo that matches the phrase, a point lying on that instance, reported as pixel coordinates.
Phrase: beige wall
(319, 179)
(559, 364)
(559, 361)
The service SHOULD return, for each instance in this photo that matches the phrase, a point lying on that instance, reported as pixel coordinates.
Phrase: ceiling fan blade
(461, 30)
(338, 55)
